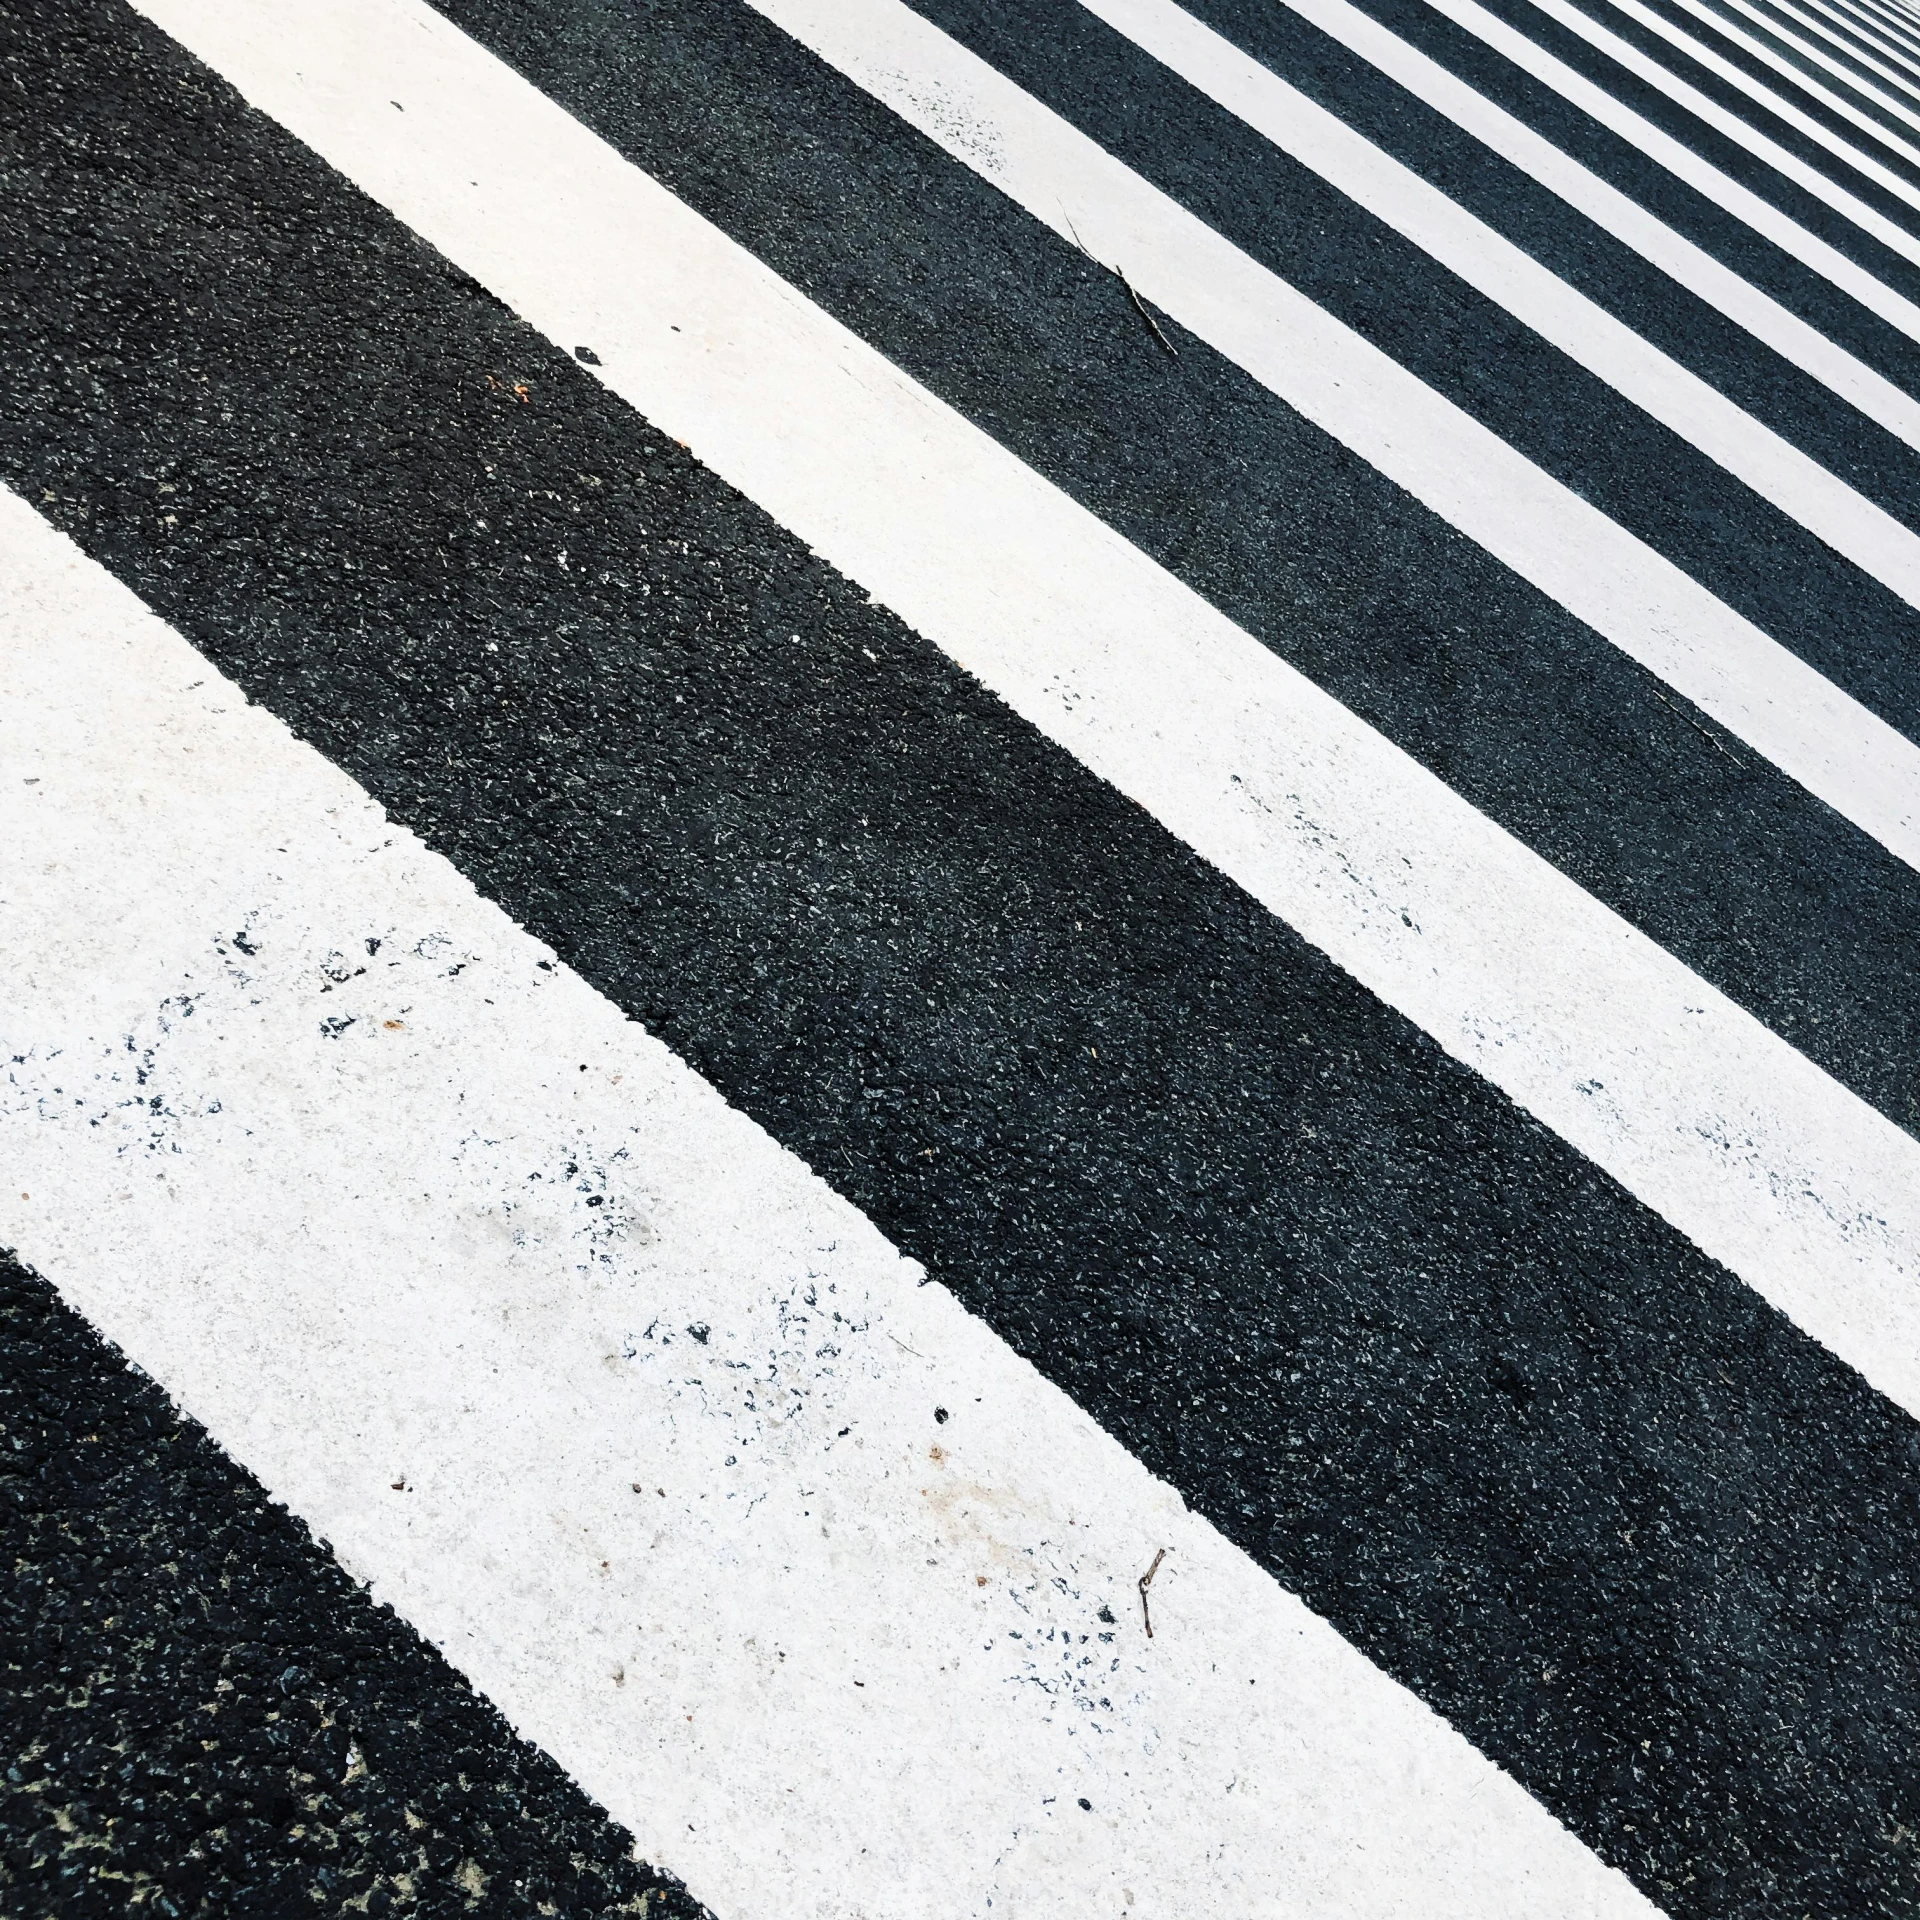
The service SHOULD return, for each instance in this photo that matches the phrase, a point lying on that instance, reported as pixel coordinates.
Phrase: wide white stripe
(1684, 164)
(1900, 101)
(1874, 17)
(1890, 24)
(1856, 45)
(1625, 219)
(1803, 1189)
(821, 1652)
(1789, 166)
(1461, 469)
(1508, 275)
(1889, 137)
(1874, 25)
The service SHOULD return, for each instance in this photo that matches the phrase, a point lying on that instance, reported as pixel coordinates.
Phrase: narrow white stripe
(1901, 101)
(1891, 25)
(1889, 233)
(1486, 260)
(1849, 37)
(1683, 163)
(1804, 1190)
(1889, 137)
(1625, 219)
(817, 1666)
(1860, 26)
(1466, 473)
(1873, 23)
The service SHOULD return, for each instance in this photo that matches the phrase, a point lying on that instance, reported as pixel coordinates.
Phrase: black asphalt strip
(1731, 155)
(205, 1717)
(1606, 270)
(1734, 39)
(1697, 72)
(1688, 210)
(1546, 727)
(1645, 1544)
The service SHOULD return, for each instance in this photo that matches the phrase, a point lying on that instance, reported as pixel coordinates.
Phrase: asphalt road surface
(960, 959)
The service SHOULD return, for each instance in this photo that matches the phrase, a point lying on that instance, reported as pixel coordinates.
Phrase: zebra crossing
(828, 819)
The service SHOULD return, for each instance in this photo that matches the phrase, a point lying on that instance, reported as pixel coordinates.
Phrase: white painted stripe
(1889, 137)
(1901, 101)
(1789, 166)
(1804, 490)
(1849, 39)
(1798, 1186)
(1690, 266)
(1892, 25)
(1466, 473)
(1873, 24)
(1804, 1190)
(1875, 18)
(1684, 164)
(816, 1666)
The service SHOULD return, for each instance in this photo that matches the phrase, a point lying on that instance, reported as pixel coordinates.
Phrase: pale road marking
(1801, 1188)
(1744, 205)
(1508, 275)
(1810, 179)
(675, 1496)
(1614, 213)
(1873, 26)
(1646, 606)
(1811, 49)
(1764, 96)
(1881, 22)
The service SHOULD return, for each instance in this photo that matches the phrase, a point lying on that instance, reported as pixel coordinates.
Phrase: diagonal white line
(1798, 1186)
(1466, 473)
(1688, 265)
(1887, 24)
(1506, 274)
(661, 1407)
(1849, 76)
(1855, 40)
(1875, 26)
(1678, 159)
(1789, 166)
(1774, 103)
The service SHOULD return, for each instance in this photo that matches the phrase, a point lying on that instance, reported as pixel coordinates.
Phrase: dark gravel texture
(1547, 728)
(205, 1719)
(1644, 1543)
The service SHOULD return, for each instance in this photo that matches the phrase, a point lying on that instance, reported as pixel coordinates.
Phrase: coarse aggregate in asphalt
(208, 1720)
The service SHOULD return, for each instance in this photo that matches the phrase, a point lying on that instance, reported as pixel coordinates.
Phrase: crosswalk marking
(1866, 25)
(1771, 101)
(1326, 563)
(732, 1577)
(1849, 75)
(864, 806)
(1747, 206)
(1890, 28)
(1854, 761)
(1617, 214)
(1857, 41)
(1671, 393)
(1810, 179)
(1797, 1185)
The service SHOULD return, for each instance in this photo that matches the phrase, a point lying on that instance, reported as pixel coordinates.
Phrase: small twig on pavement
(1146, 316)
(1704, 732)
(1146, 1580)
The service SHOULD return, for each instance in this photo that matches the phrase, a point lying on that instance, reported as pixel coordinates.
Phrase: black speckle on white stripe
(207, 1720)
